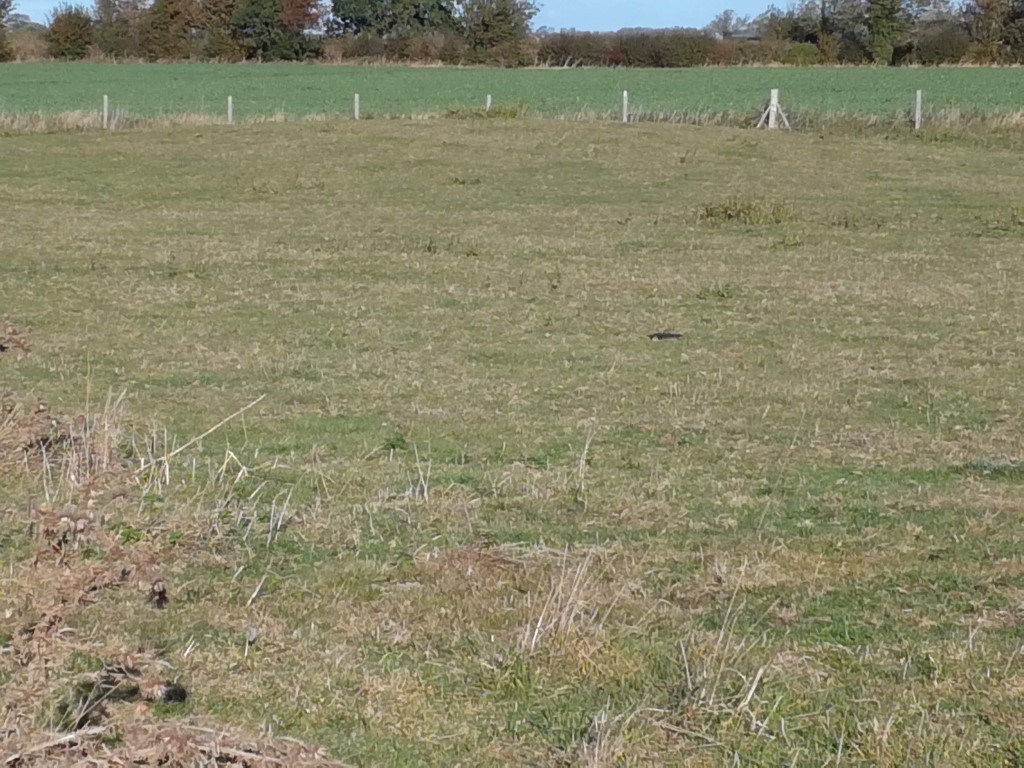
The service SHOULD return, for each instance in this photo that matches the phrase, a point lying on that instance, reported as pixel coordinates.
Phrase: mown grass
(478, 516)
(704, 95)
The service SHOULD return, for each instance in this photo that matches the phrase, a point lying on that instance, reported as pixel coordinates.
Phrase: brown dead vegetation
(52, 710)
(13, 339)
(163, 744)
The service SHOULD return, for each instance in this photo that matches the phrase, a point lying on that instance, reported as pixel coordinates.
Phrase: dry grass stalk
(88, 120)
(48, 712)
(173, 745)
(567, 610)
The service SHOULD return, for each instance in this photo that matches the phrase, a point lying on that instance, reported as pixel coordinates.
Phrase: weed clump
(716, 290)
(745, 211)
(994, 469)
(1011, 221)
(500, 112)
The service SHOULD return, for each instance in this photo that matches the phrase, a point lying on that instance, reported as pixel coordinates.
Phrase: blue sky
(611, 15)
(599, 15)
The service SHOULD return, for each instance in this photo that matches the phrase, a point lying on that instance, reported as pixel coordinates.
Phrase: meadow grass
(478, 516)
(735, 95)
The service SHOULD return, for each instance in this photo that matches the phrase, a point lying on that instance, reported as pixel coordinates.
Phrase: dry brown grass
(945, 120)
(52, 710)
(174, 745)
(74, 121)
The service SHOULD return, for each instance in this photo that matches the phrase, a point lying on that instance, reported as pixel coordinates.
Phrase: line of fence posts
(774, 112)
(770, 116)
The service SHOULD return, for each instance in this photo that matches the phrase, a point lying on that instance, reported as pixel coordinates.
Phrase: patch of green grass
(697, 94)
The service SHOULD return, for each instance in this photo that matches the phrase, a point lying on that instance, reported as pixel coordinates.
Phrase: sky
(612, 15)
(592, 15)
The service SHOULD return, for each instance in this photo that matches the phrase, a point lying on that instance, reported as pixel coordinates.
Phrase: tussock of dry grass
(938, 120)
(52, 710)
(171, 744)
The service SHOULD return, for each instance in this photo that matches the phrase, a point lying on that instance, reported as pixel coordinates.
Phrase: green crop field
(295, 90)
(354, 433)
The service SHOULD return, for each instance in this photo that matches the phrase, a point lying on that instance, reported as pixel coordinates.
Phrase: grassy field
(478, 517)
(296, 90)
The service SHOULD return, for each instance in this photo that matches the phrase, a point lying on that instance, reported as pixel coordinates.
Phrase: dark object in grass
(170, 693)
(664, 336)
(4, 347)
(158, 594)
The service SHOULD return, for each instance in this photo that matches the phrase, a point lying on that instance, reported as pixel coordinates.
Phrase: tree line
(890, 32)
(482, 31)
(881, 32)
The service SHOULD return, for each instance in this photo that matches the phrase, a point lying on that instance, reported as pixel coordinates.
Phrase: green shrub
(754, 52)
(454, 50)
(424, 47)
(364, 46)
(118, 38)
(666, 49)
(256, 26)
(828, 49)
(495, 25)
(985, 53)
(167, 30)
(511, 53)
(220, 46)
(852, 51)
(802, 55)
(941, 42)
(688, 50)
(396, 48)
(736, 53)
(726, 53)
(6, 49)
(70, 33)
(588, 49)
(640, 51)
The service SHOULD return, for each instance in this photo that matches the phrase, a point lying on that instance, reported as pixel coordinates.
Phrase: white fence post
(231, 111)
(917, 112)
(106, 112)
(488, 106)
(355, 106)
(774, 114)
(625, 106)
